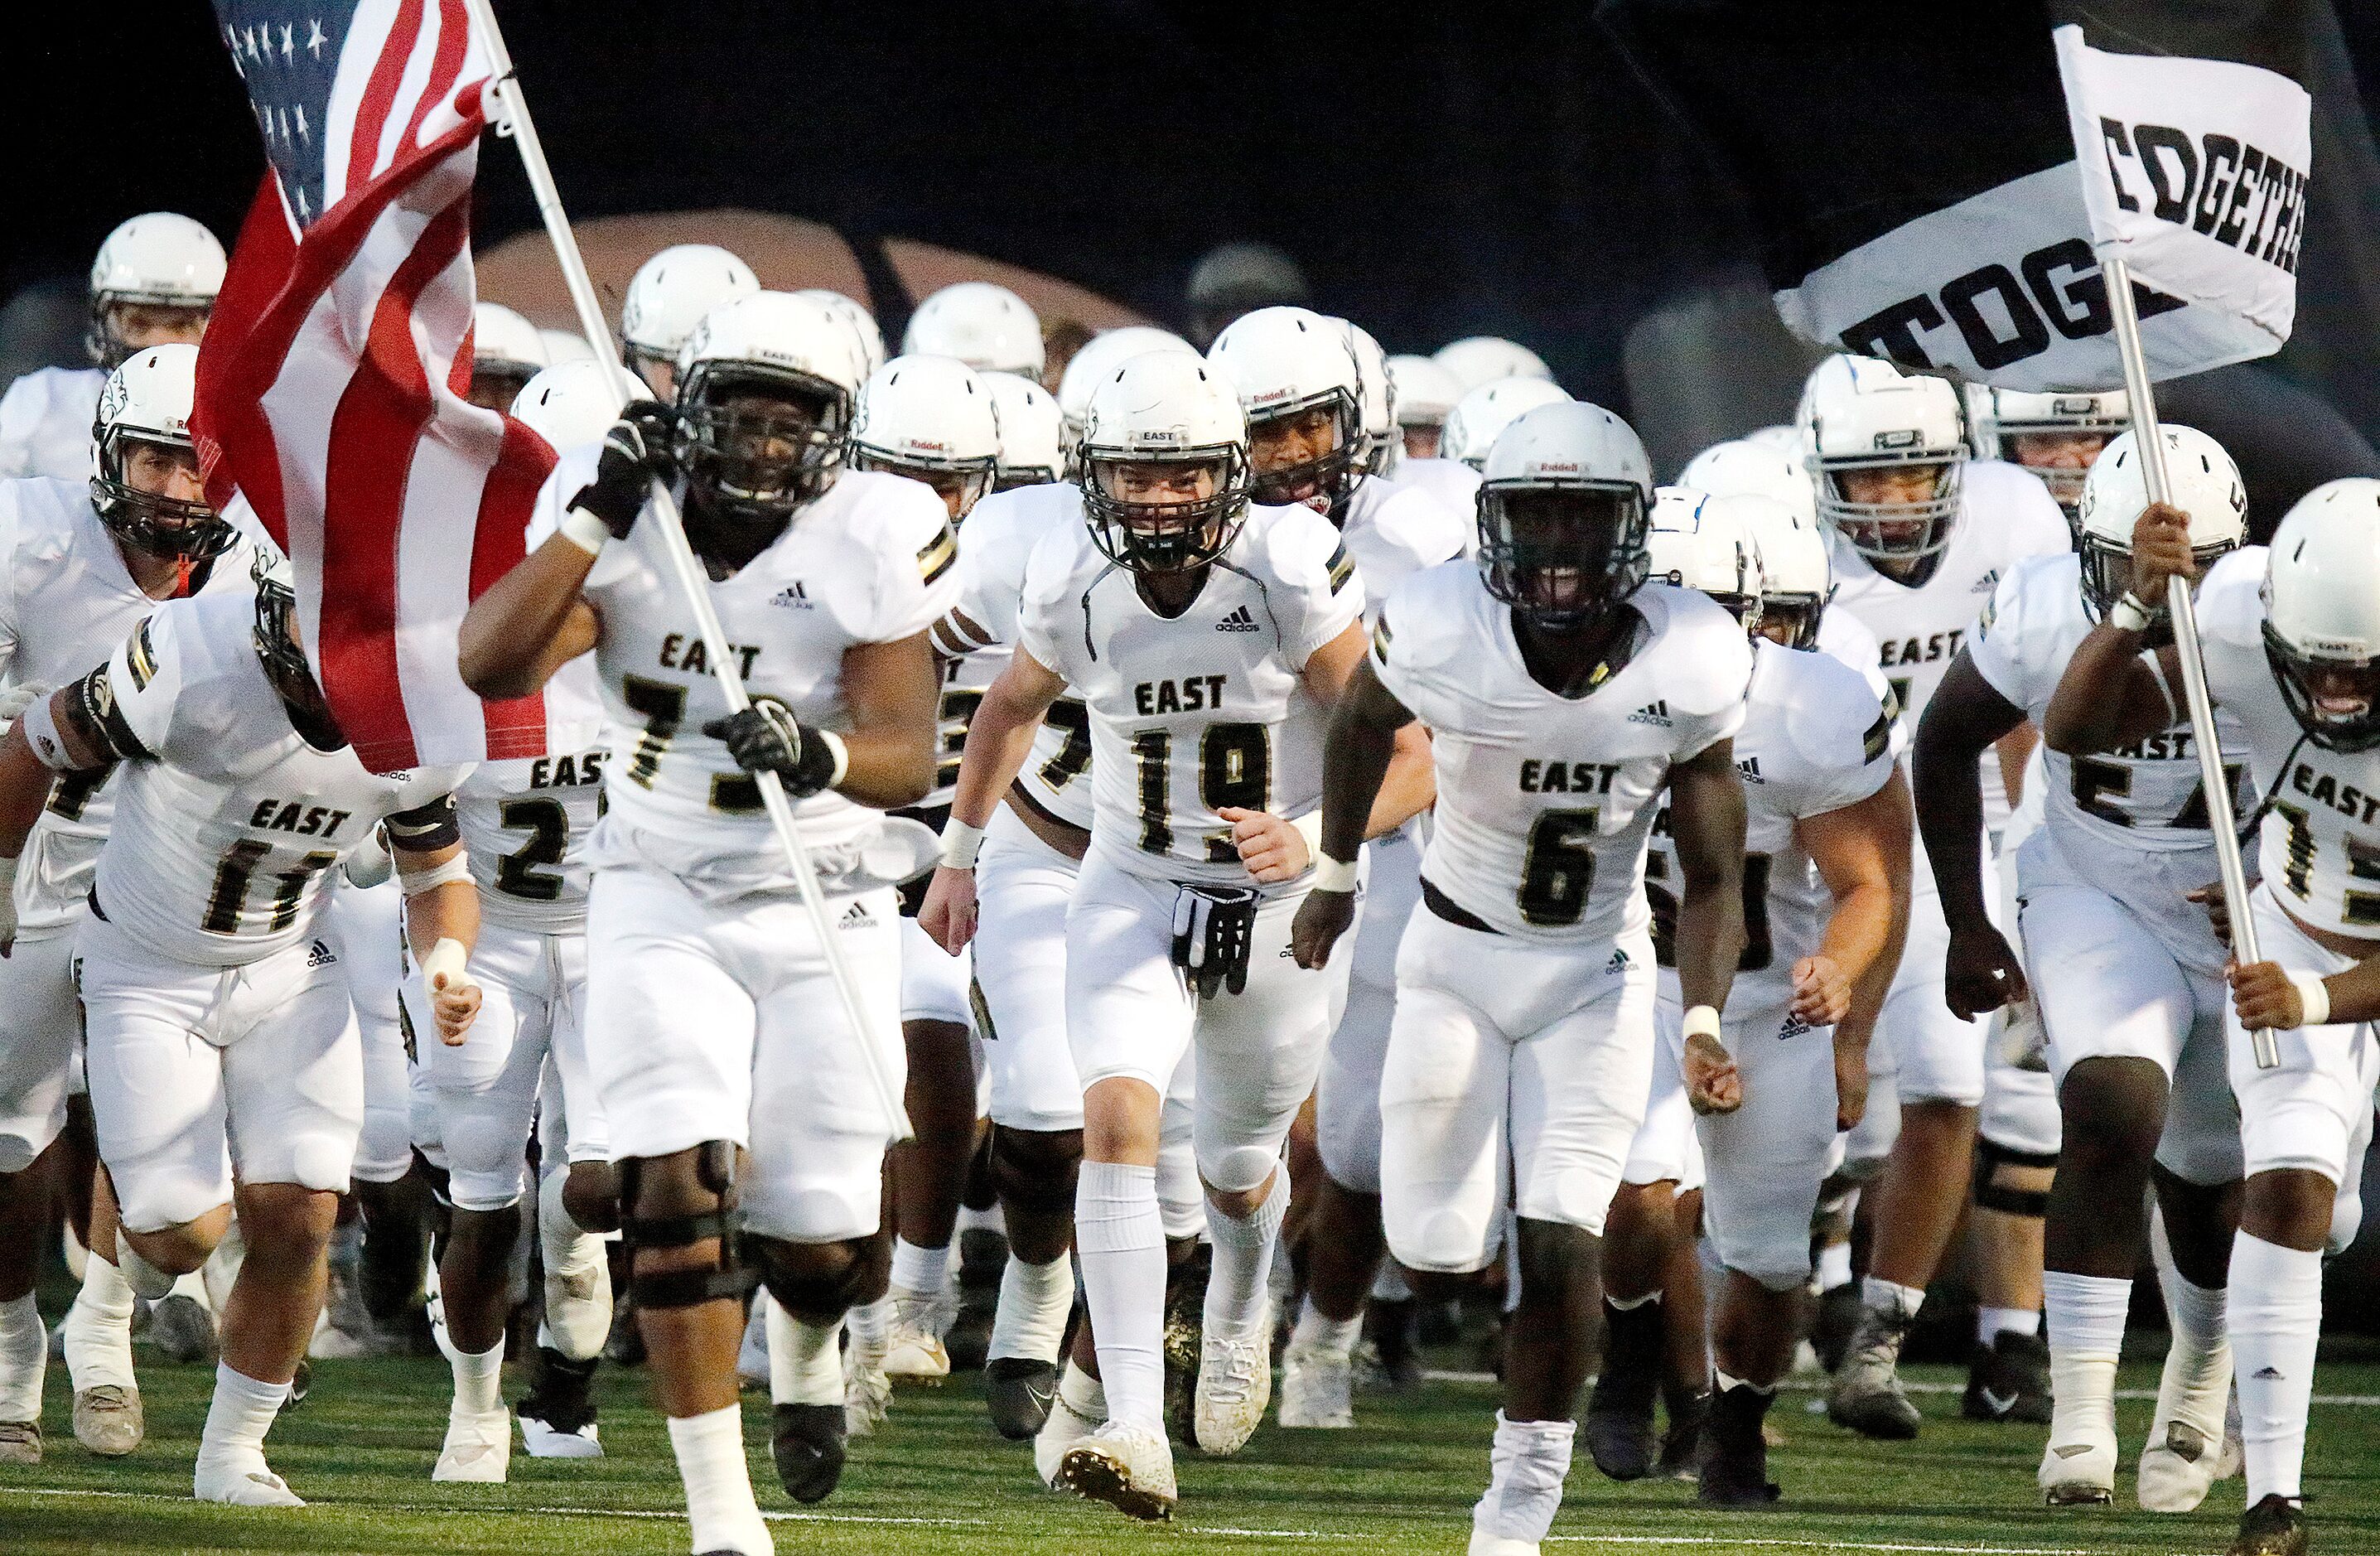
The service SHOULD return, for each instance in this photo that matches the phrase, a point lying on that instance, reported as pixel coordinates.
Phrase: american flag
(331, 380)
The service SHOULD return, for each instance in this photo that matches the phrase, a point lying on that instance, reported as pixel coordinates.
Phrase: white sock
(1390, 1284)
(1328, 1334)
(1084, 1394)
(919, 1271)
(479, 1381)
(870, 1325)
(805, 1363)
(1034, 1301)
(1993, 1322)
(1121, 1240)
(1244, 1246)
(24, 1359)
(1527, 1468)
(1834, 1266)
(1885, 1297)
(2086, 1335)
(2198, 1363)
(973, 1220)
(2276, 1319)
(99, 1328)
(719, 1502)
(237, 1417)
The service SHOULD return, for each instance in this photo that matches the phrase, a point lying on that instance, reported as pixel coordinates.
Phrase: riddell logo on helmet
(1904, 437)
(1558, 466)
(927, 445)
(1270, 395)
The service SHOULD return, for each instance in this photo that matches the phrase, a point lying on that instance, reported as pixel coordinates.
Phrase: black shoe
(1018, 1392)
(1838, 1316)
(1186, 1329)
(1620, 1434)
(2275, 1526)
(983, 1258)
(299, 1384)
(1683, 1437)
(1393, 1325)
(1734, 1450)
(560, 1399)
(808, 1446)
(2008, 1380)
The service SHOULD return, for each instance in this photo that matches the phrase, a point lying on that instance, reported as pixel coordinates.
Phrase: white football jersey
(2005, 514)
(2319, 847)
(1203, 711)
(45, 420)
(871, 561)
(1844, 636)
(2102, 811)
(525, 821)
(1815, 738)
(228, 823)
(1393, 529)
(1545, 802)
(67, 602)
(994, 543)
(1453, 483)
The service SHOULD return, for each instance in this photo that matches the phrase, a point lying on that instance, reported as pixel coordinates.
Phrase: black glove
(766, 738)
(1214, 928)
(634, 451)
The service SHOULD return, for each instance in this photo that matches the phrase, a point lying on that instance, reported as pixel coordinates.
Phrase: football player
(1561, 694)
(2055, 433)
(1475, 361)
(220, 1044)
(986, 326)
(1426, 396)
(1921, 535)
(2291, 638)
(2127, 978)
(1207, 635)
(736, 1094)
(152, 283)
(667, 297)
(506, 352)
(86, 560)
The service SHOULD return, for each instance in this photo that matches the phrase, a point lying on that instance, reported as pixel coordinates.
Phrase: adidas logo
(320, 956)
(1794, 1026)
(2272, 1373)
(856, 917)
(1238, 621)
(1657, 713)
(792, 596)
(1749, 768)
(1618, 963)
(1987, 583)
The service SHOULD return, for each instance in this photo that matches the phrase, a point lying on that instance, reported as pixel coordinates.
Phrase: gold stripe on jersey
(1878, 736)
(1342, 567)
(937, 556)
(1380, 637)
(141, 658)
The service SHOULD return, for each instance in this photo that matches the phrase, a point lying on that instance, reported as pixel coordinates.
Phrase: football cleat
(914, 1352)
(20, 1443)
(2274, 1527)
(1620, 1435)
(1234, 1386)
(808, 1445)
(1732, 1454)
(182, 1330)
(107, 1420)
(557, 1413)
(242, 1482)
(1868, 1396)
(1019, 1393)
(1316, 1389)
(1065, 1426)
(2080, 1472)
(1129, 1467)
(478, 1447)
(2008, 1380)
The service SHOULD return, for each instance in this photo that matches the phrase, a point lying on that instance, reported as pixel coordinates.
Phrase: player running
(1562, 694)
(735, 1094)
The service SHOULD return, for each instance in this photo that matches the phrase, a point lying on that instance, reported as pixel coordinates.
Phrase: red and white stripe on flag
(330, 392)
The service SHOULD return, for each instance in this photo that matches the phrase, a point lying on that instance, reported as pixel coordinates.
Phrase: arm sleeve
(426, 829)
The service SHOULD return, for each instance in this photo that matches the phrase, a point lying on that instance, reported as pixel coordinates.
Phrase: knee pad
(1240, 1169)
(732, 1278)
(1035, 1171)
(1992, 1195)
(824, 1298)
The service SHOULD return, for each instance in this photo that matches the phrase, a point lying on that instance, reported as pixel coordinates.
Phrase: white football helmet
(1563, 514)
(1797, 577)
(668, 296)
(161, 260)
(783, 347)
(1477, 359)
(2009, 418)
(1858, 413)
(569, 404)
(564, 346)
(1483, 413)
(1169, 413)
(1384, 442)
(1289, 364)
(1740, 466)
(147, 399)
(932, 420)
(1783, 438)
(866, 338)
(2322, 613)
(1426, 392)
(1032, 450)
(1101, 354)
(2200, 480)
(988, 327)
(1701, 541)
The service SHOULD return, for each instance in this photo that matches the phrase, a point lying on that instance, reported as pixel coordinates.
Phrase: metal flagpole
(2211, 776)
(512, 117)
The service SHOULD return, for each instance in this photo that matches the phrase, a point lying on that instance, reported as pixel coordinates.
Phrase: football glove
(634, 451)
(766, 738)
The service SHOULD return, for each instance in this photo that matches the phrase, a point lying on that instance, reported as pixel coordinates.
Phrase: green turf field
(936, 1481)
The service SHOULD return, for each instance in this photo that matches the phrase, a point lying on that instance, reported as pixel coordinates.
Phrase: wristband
(2129, 615)
(1702, 1021)
(584, 531)
(446, 960)
(2315, 995)
(1309, 827)
(959, 844)
(841, 752)
(41, 730)
(1333, 875)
